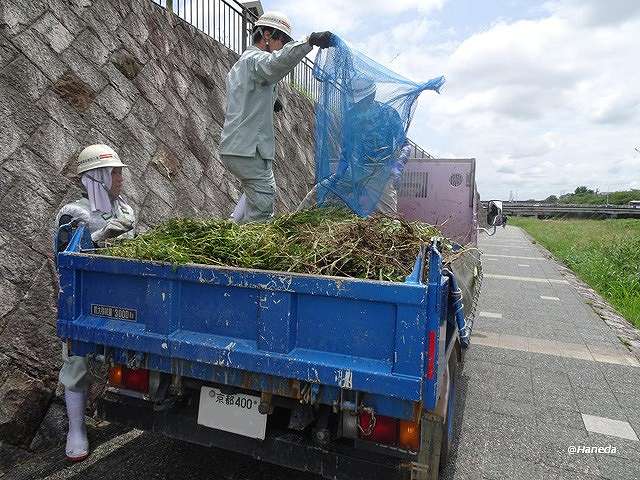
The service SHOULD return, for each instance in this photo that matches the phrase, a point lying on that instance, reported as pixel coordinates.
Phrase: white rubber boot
(77, 444)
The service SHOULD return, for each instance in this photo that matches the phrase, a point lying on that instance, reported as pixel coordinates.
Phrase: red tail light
(132, 379)
(431, 355)
(384, 431)
(137, 380)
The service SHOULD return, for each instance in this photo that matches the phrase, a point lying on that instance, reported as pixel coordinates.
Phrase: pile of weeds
(321, 241)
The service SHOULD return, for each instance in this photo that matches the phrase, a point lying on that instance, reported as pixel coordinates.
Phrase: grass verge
(603, 253)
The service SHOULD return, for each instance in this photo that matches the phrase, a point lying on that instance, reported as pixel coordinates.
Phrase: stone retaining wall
(125, 73)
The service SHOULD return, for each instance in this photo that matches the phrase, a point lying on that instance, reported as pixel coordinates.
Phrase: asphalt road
(134, 455)
(544, 374)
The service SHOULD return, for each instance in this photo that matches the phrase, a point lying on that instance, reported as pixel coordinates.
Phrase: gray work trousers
(74, 374)
(258, 184)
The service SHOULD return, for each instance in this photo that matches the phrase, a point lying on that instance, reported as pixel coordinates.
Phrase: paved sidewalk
(544, 375)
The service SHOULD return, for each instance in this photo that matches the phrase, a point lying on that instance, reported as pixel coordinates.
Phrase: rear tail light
(390, 431)
(384, 431)
(115, 375)
(137, 380)
(409, 436)
(130, 378)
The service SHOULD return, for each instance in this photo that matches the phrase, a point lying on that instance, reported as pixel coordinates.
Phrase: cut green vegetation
(604, 253)
(323, 241)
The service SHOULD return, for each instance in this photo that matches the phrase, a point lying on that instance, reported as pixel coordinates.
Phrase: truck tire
(447, 427)
(427, 465)
(437, 433)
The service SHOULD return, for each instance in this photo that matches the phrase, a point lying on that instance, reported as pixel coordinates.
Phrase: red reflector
(384, 431)
(137, 379)
(431, 354)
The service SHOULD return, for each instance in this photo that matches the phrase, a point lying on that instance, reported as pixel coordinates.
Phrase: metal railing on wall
(227, 22)
(231, 24)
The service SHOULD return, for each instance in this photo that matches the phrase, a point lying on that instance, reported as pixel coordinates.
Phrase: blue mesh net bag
(362, 116)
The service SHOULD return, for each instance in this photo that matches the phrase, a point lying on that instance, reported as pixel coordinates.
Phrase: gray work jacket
(95, 221)
(248, 122)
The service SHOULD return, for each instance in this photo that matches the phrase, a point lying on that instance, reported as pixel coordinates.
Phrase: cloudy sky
(545, 95)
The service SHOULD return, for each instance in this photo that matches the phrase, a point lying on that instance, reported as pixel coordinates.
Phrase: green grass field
(603, 253)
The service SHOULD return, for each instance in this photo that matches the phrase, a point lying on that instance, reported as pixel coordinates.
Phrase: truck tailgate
(347, 333)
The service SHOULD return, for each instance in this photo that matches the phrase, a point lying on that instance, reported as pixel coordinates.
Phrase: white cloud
(596, 12)
(616, 109)
(343, 17)
(544, 105)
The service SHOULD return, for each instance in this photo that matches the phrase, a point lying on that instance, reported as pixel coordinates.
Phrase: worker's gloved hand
(399, 164)
(322, 39)
(277, 106)
(124, 214)
(123, 221)
(114, 228)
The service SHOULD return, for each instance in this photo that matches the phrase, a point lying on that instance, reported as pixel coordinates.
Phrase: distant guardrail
(542, 210)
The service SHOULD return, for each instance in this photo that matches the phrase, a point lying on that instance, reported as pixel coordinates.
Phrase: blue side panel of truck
(222, 324)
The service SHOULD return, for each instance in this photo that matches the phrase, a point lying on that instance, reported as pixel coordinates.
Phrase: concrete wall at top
(129, 74)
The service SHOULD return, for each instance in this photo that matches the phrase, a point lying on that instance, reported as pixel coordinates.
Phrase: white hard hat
(98, 156)
(362, 87)
(276, 20)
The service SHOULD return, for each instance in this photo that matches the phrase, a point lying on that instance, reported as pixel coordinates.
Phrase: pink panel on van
(441, 192)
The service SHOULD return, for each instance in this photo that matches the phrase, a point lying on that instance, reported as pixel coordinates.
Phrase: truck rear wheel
(437, 433)
(447, 426)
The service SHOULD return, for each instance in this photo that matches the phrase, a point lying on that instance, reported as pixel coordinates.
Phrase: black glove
(322, 39)
(277, 106)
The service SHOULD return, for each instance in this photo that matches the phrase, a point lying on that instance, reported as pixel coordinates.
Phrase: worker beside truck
(247, 144)
(105, 214)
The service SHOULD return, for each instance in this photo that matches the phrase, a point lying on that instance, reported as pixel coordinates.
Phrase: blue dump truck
(342, 377)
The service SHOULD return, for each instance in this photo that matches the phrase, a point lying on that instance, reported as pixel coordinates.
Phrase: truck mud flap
(427, 467)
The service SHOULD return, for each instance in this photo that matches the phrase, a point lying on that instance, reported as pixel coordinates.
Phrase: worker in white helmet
(247, 145)
(382, 147)
(374, 152)
(105, 214)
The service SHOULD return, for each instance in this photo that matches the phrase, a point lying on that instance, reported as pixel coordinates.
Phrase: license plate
(231, 412)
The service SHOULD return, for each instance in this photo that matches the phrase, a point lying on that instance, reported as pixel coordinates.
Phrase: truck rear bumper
(286, 448)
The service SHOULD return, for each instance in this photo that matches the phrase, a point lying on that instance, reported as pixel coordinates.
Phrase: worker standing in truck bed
(247, 145)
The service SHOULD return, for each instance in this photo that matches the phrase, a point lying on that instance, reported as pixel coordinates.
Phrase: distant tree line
(585, 195)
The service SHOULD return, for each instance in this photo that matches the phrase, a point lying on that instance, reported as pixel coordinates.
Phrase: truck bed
(261, 327)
